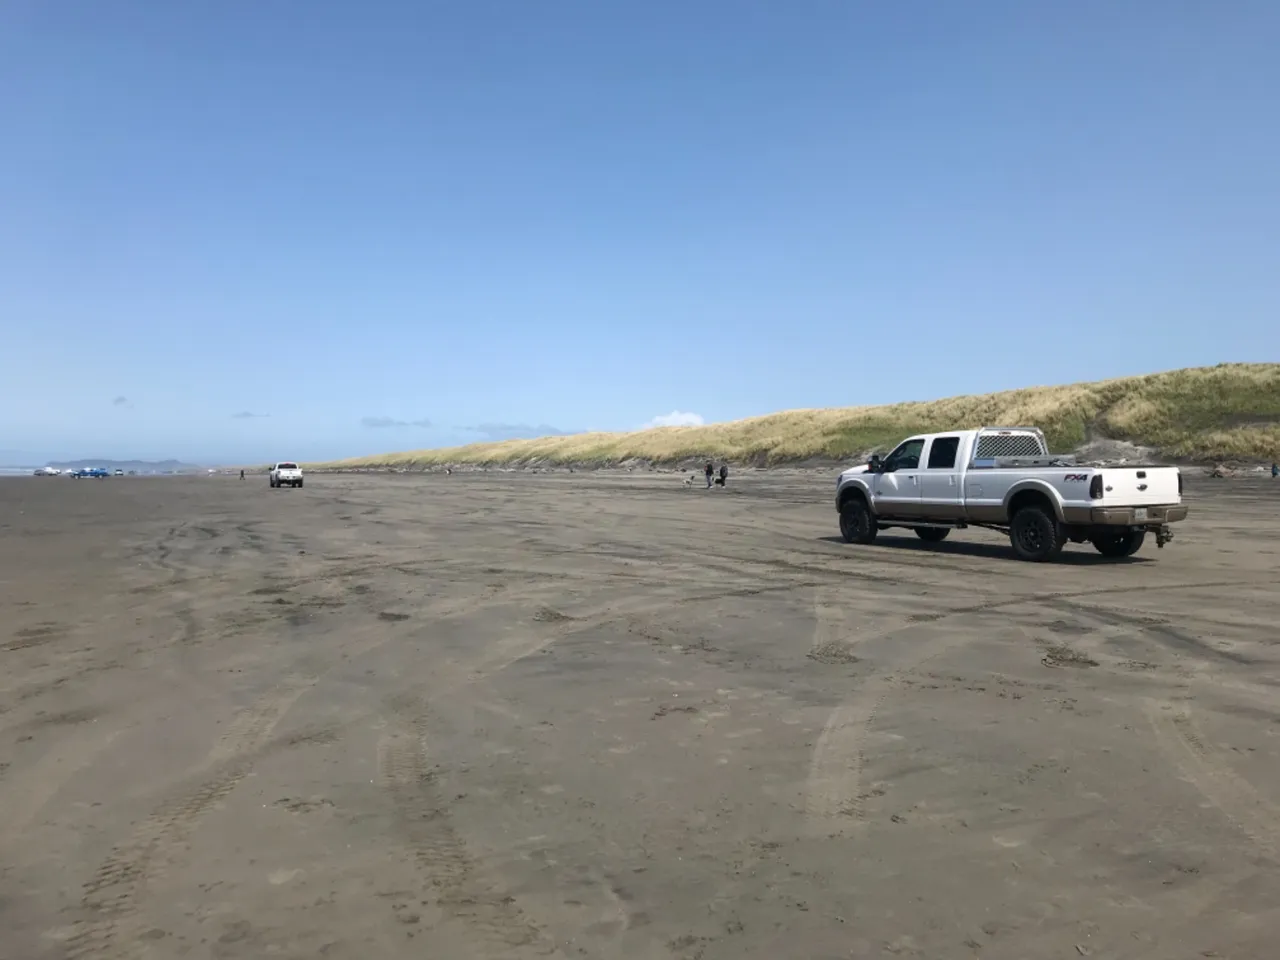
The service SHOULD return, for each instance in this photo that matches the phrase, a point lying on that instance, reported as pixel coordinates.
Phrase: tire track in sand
(111, 895)
(110, 929)
(833, 790)
(494, 924)
(1180, 739)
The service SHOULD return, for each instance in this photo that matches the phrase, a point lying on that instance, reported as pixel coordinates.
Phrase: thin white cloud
(382, 423)
(676, 418)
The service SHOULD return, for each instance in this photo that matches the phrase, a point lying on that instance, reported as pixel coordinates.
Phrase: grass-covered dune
(1231, 411)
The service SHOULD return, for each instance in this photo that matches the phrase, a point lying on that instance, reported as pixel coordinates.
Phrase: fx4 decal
(1076, 477)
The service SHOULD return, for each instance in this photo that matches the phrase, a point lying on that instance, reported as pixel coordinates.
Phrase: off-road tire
(299, 484)
(1119, 545)
(1035, 535)
(857, 525)
(932, 534)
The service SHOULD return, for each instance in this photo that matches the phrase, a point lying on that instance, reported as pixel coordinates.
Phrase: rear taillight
(1095, 487)
(1179, 483)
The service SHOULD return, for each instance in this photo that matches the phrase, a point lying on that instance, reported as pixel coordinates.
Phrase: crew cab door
(897, 485)
(941, 495)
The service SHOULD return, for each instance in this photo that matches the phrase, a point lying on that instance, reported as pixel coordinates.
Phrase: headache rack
(997, 447)
(992, 463)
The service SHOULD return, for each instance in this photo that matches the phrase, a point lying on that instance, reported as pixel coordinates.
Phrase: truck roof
(976, 431)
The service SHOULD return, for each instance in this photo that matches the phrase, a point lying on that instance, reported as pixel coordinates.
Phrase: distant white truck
(286, 474)
(1004, 478)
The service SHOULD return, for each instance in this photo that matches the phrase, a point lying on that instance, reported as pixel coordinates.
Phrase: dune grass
(1231, 411)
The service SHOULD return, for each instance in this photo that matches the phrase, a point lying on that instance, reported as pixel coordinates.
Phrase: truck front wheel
(1124, 544)
(1034, 534)
(856, 523)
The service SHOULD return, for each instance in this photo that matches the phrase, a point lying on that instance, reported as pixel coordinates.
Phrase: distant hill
(159, 466)
(1231, 411)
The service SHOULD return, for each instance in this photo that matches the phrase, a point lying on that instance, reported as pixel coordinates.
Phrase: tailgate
(1139, 486)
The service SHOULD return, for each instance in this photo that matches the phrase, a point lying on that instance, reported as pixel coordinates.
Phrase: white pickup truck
(286, 474)
(1004, 478)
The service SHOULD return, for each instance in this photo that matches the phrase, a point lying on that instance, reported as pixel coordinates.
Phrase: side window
(906, 457)
(942, 455)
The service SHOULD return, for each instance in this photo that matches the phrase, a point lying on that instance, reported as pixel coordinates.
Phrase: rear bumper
(1126, 516)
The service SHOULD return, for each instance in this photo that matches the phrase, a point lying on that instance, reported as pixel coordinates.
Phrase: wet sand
(516, 715)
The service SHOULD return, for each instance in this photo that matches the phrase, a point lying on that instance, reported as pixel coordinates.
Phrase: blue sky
(388, 225)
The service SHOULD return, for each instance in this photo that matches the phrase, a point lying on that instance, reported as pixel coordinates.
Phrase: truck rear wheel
(932, 534)
(856, 523)
(1034, 534)
(299, 483)
(1124, 544)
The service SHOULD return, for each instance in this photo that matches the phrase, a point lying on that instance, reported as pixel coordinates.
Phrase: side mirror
(874, 465)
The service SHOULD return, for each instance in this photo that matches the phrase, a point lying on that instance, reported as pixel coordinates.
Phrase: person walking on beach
(724, 474)
(709, 471)
(241, 474)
